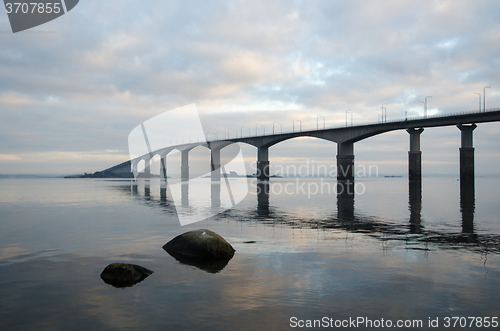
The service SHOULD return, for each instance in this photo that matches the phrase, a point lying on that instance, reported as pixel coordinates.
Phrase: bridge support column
(163, 190)
(134, 169)
(263, 198)
(185, 194)
(263, 163)
(215, 164)
(147, 168)
(467, 152)
(345, 200)
(163, 167)
(345, 161)
(163, 178)
(415, 155)
(467, 204)
(185, 165)
(415, 203)
(215, 196)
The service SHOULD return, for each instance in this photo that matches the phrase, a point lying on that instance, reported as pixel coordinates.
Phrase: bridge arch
(308, 135)
(317, 157)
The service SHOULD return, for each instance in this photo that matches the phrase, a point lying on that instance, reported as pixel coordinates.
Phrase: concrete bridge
(345, 137)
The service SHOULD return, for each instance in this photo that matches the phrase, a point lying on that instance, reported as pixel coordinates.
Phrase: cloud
(88, 78)
(9, 157)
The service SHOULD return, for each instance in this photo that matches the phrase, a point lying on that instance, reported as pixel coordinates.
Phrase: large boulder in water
(200, 244)
(124, 274)
(203, 249)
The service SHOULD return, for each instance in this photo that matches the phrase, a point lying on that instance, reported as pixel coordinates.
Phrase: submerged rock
(212, 266)
(124, 274)
(203, 249)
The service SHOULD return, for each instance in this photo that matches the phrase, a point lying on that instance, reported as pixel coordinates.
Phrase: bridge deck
(338, 134)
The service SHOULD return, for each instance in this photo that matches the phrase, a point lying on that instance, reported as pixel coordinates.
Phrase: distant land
(100, 174)
(30, 176)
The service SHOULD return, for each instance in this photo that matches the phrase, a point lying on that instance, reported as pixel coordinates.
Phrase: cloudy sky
(71, 90)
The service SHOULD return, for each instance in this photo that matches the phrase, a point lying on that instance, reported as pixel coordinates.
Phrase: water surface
(393, 251)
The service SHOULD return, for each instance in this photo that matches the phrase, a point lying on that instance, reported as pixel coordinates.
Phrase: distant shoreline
(93, 176)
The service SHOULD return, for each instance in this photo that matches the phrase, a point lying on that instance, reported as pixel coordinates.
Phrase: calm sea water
(392, 252)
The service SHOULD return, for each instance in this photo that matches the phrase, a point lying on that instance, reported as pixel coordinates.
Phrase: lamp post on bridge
(294, 124)
(217, 132)
(235, 133)
(484, 97)
(256, 125)
(425, 110)
(383, 112)
(425, 105)
(479, 94)
(324, 124)
(317, 121)
(242, 131)
(281, 127)
(347, 112)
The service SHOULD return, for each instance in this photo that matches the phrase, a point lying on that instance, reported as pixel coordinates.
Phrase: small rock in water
(124, 274)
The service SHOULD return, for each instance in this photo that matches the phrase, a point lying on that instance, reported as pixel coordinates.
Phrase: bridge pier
(263, 199)
(163, 178)
(215, 164)
(163, 165)
(467, 204)
(415, 205)
(163, 191)
(215, 196)
(185, 165)
(263, 163)
(466, 152)
(345, 200)
(185, 194)
(345, 161)
(147, 167)
(135, 172)
(415, 155)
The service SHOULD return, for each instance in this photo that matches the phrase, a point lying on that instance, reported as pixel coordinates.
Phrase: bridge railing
(337, 126)
(417, 118)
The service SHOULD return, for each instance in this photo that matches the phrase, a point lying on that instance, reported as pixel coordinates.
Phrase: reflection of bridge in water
(345, 137)
(345, 218)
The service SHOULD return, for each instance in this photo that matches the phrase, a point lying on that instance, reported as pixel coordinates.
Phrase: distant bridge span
(345, 137)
